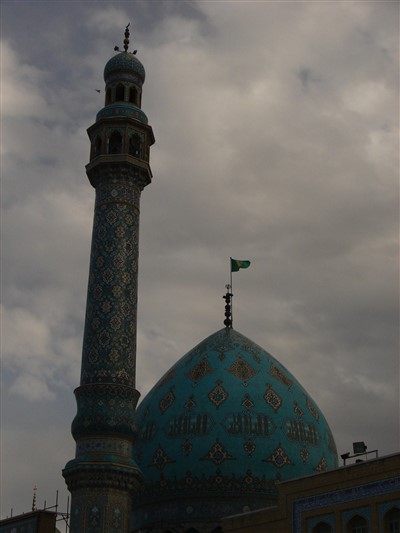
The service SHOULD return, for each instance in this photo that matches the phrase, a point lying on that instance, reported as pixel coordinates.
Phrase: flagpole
(230, 269)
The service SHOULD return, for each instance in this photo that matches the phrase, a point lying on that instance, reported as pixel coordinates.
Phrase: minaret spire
(104, 477)
(126, 40)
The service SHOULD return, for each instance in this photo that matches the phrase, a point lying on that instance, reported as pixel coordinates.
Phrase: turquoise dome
(219, 429)
(124, 65)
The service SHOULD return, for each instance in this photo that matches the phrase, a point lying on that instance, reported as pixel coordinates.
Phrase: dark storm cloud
(276, 131)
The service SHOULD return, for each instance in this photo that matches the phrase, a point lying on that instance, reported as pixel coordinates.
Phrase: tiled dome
(219, 429)
(124, 65)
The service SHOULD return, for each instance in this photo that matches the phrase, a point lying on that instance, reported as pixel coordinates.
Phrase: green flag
(236, 264)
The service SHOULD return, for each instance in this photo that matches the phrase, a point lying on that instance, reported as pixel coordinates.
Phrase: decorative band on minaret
(104, 477)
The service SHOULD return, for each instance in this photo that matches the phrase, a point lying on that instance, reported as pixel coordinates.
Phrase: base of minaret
(99, 512)
(101, 491)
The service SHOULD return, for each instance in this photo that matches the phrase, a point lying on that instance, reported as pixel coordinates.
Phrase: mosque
(222, 428)
(227, 429)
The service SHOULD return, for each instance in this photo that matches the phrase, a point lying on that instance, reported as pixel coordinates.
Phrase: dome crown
(220, 428)
(124, 65)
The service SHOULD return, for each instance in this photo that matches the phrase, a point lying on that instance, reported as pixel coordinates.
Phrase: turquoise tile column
(103, 477)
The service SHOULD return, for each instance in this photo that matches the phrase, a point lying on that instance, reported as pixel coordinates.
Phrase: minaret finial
(228, 308)
(34, 498)
(126, 40)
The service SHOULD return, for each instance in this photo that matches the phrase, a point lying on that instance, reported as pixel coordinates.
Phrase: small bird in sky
(98, 90)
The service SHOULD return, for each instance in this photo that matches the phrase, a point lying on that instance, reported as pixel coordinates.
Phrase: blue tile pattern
(338, 497)
(122, 109)
(103, 477)
(124, 62)
(232, 421)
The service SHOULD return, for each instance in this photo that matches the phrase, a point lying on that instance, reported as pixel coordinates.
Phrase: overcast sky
(276, 128)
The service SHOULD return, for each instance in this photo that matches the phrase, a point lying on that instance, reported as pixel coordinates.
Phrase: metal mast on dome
(126, 41)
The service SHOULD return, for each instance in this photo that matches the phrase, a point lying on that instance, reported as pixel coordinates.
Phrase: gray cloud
(276, 141)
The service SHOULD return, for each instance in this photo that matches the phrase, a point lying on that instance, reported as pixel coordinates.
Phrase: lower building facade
(359, 498)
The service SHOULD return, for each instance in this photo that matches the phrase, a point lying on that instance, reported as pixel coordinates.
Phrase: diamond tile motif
(167, 401)
(312, 409)
(200, 370)
(322, 466)
(218, 394)
(161, 459)
(190, 403)
(187, 447)
(304, 454)
(297, 410)
(272, 398)
(218, 454)
(279, 458)
(279, 375)
(247, 402)
(242, 370)
(249, 446)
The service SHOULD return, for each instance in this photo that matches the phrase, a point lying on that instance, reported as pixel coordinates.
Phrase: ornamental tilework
(247, 402)
(322, 466)
(297, 409)
(341, 496)
(304, 454)
(272, 398)
(312, 409)
(199, 371)
(218, 394)
(223, 439)
(249, 447)
(279, 457)
(167, 401)
(104, 409)
(161, 459)
(242, 370)
(218, 454)
(279, 375)
(109, 347)
(187, 447)
(190, 403)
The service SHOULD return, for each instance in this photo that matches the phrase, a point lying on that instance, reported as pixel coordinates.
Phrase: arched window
(115, 143)
(108, 96)
(357, 524)
(392, 521)
(135, 147)
(97, 147)
(322, 527)
(133, 95)
(120, 93)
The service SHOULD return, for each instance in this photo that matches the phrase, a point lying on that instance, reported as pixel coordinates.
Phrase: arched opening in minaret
(108, 96)
(133, 95)
(120, 93)
(97, 147)
(135, 147)
(115, 143)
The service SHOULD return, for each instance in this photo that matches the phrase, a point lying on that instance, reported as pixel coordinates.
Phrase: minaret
(104, 477)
